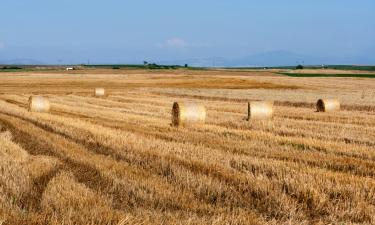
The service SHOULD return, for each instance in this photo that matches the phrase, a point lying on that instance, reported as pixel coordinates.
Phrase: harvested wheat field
(117, 159)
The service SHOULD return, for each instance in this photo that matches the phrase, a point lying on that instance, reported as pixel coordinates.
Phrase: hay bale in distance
(328, 105)
(38, 104)
(259, 110)
(99, 92)
(184, 114)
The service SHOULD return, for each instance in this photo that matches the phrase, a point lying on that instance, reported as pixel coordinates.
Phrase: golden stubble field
(117, 159)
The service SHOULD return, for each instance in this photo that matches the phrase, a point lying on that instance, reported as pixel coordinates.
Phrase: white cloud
(173, 43)
(179, 43)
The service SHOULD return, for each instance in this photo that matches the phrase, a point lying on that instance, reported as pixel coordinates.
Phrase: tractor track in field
(85, 174)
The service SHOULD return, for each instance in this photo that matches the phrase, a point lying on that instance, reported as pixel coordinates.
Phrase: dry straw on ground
(260, 110)
(39, 104)
(188, 113)
(116, 158)
(328, 105)
(99, 92)
(6, 135)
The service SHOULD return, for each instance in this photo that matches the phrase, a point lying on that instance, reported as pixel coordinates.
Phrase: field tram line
(202, 169)
(112, 153)
(85, 174)
(32, 200)
(95, 147)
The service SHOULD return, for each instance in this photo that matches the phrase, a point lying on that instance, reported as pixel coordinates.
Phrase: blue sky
(114, 31)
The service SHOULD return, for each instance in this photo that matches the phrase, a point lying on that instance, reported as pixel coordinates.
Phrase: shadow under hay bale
(39, 104)
(259, 110)
(184, 114)
(99, 92)
(328, 105)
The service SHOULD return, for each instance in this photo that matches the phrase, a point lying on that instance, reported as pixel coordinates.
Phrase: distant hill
(21, 62)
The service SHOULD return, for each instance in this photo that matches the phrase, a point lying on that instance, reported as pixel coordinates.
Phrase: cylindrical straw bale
(184, 114)
(328, 105)
(258, 110)
(99, 92)
(38, 104)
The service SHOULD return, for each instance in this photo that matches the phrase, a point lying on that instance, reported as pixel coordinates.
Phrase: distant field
(117, 160)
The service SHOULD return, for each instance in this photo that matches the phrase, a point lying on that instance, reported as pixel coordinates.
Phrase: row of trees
(156, 66)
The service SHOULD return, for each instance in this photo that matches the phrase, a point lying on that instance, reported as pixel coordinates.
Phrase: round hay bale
(259, 110)
(184, 114)
(38, 104)
(328, 105)
(99, 92)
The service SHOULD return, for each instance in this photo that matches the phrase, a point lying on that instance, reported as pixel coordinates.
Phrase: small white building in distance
(69, 68)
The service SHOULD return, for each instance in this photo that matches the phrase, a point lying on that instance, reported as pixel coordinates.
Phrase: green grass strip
(328, 75)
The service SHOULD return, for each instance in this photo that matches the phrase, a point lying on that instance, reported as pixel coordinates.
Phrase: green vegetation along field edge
(335, 67)
(328, 75)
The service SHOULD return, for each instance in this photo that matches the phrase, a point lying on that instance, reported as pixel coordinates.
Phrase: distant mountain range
(21, 62)
(267, 59)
